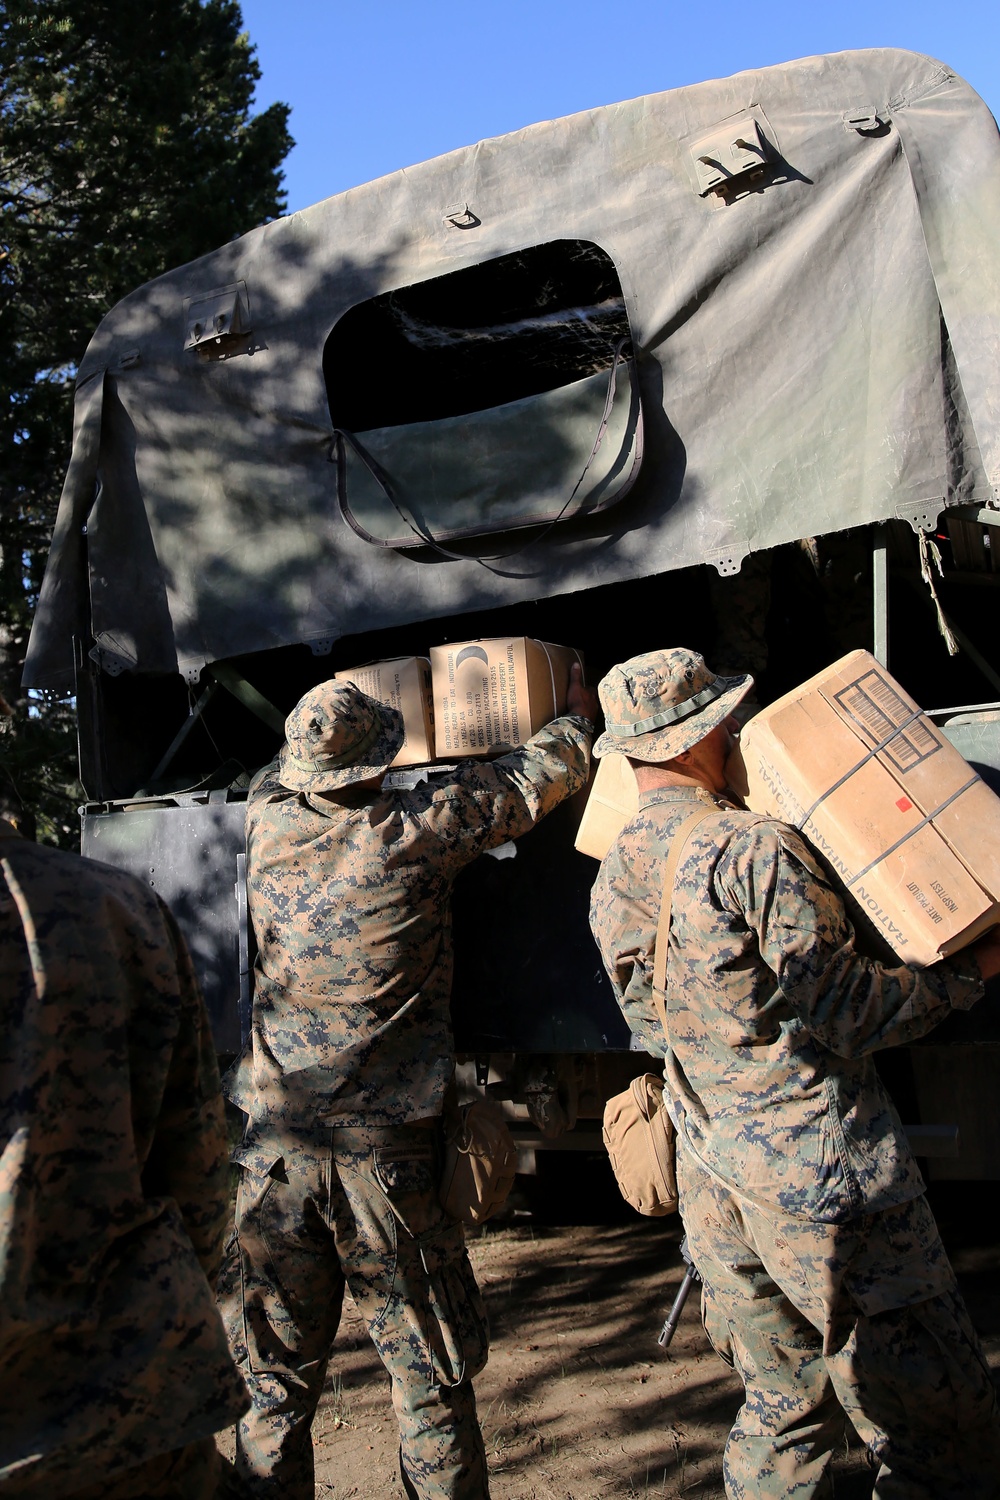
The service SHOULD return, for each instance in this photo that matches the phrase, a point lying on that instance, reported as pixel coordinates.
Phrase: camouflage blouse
(350, 899)
(773, 1014)
(114, 1181)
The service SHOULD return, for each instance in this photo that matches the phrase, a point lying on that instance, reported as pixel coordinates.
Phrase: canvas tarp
(813, 355)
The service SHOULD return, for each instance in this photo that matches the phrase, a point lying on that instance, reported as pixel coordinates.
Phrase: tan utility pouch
(480, 1160)
(638, 1133)
(640, 1140)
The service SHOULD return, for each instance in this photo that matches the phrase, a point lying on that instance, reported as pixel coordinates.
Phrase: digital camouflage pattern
(336, 735)
(786, 1302)
(659, 704)
(774, 1015)
(824, 1279)
(359, 1207)
(113, 1180)
(350, 899)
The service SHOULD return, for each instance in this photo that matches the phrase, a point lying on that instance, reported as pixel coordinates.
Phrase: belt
(379, 1134)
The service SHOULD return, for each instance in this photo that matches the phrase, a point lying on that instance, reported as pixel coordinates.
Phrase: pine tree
(127, 146)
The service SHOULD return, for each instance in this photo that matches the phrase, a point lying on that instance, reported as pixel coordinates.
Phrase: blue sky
(376, 85)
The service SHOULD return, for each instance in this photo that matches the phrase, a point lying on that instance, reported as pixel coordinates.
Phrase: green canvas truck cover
(816, 347)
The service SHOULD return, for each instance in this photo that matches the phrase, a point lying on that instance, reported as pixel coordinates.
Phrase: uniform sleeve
(189, 1157)
(488, 802)
(624, 927)
(850, 1004)
(633, 984)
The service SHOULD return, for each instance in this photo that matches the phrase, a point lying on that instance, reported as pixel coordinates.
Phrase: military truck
(717, 367)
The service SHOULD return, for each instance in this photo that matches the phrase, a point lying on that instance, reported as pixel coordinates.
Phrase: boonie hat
(659, 704)
(336, 735)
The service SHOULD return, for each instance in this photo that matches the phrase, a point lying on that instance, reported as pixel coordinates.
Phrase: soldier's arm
(623, 923)
(633, 984)
(189, 1156)
(850, 1003)
(488, 802)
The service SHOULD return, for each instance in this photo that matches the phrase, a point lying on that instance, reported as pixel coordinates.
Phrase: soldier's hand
(580, 699)
(987, 952)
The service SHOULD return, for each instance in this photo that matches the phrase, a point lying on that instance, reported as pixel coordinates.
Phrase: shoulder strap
(671, 862)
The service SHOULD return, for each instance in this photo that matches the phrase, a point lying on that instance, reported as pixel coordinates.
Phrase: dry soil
(577, 1401)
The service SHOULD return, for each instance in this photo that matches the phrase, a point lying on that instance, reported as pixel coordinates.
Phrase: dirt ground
(577, 1401)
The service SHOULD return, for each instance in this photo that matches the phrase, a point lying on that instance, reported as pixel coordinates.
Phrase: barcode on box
(878, 710)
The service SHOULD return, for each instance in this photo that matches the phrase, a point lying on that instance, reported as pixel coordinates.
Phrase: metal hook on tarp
(930, 558)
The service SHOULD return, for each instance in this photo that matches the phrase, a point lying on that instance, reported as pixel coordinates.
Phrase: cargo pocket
(433, 1276)
(243, 1283)
(717, 1328)
(252, 1194)
(291, 1275)
(408, 1177)
(458, 1334)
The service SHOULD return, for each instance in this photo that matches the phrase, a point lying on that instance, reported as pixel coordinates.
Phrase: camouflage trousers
(356, 1207)
(815, 1320)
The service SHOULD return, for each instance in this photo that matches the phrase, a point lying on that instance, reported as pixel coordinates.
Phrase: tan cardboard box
(613, 801)
(492, 695)
(405, 684)
(911, 830)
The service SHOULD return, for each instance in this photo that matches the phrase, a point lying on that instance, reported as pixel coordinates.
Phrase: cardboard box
(876, 788)
(405, 684)
(492, 695)
(613, 801)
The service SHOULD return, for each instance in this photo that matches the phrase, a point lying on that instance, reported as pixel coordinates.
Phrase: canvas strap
(677, 848)
(421, 532)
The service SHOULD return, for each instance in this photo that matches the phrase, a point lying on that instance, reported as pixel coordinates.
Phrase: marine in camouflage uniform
(345, 1079)
(114, 1368)
(825, 1281)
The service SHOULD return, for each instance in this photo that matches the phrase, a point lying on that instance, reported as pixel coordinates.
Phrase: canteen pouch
(571, 451)
(480, 1160)
(641, 1141)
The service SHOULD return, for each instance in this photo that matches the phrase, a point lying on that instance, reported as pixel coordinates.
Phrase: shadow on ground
(577, 1401)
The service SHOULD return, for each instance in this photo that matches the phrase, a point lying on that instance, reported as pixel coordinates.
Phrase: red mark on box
(904, 804)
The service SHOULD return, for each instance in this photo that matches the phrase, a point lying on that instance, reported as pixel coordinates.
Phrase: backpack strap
(677, 847)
